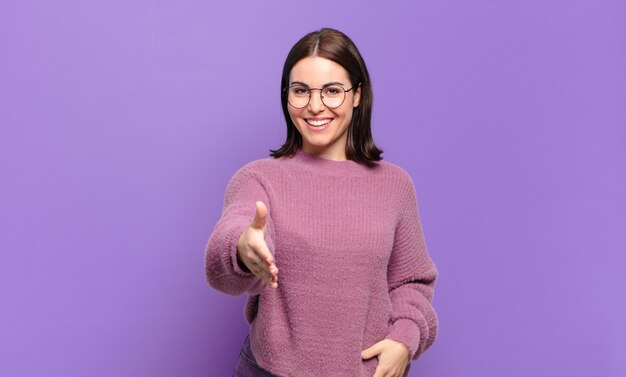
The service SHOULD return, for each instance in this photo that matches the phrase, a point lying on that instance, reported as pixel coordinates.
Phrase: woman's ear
(357, 97)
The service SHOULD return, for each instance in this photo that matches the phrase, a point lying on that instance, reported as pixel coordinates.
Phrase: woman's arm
(224, 270)
(411, 278)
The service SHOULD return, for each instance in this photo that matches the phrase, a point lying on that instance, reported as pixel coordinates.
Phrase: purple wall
(122, 122)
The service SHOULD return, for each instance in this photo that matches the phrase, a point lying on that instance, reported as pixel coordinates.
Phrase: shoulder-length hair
(334, 45)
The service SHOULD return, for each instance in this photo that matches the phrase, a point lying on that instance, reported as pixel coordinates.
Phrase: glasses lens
(333, 96)
(298, 96)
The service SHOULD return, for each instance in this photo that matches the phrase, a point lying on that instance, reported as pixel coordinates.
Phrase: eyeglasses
(332, 96)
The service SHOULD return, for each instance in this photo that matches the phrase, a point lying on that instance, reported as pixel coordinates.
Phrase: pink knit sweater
(353, 264)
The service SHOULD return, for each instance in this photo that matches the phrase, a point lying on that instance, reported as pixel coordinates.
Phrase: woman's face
(324, 130)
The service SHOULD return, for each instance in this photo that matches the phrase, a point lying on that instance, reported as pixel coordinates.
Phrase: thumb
(260, 215)
(371, 352)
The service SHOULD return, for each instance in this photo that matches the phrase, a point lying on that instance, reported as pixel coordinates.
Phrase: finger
(273, 270)
(371, 352)
(273, 274)
(262, 274)
(257, 266)
(379, 372)
(264, 256)
(260, 216)
(271, 280)
(268, 274)
(259, 222)
(401, 371)
(273, 283)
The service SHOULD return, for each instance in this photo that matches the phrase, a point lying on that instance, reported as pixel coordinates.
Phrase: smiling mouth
(318, 123)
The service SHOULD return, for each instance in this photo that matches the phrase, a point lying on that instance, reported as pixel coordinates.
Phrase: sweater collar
(317, 163)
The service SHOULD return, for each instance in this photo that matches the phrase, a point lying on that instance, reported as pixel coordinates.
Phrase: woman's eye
(333, 91)
(299, 91)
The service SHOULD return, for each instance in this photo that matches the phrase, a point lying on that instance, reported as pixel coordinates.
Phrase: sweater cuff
(233, 237)
(406, 331)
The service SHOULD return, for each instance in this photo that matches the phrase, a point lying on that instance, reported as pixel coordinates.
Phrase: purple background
(122, 122)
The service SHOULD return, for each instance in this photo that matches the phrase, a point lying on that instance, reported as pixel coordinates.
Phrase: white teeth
(318, 123)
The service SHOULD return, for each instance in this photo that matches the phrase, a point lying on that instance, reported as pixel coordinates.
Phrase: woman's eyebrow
(325, 85)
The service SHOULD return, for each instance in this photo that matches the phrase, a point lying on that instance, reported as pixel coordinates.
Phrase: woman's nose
(315, 103)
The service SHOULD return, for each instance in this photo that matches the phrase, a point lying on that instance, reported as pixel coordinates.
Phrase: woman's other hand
(393, 358)
(253, 251)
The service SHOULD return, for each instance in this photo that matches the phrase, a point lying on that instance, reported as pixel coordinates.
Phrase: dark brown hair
(334, 45)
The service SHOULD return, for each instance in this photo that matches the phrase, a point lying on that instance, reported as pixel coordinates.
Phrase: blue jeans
(246, 364)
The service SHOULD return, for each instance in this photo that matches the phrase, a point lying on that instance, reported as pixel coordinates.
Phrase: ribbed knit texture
(353, 264)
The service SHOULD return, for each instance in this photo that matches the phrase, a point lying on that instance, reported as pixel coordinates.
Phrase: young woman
(324, 236)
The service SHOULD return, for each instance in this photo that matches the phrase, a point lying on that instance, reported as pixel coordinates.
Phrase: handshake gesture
(253, 251)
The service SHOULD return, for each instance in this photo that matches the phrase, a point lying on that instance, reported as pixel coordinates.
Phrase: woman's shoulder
(399, 180)
(396, 171)
(260, 166)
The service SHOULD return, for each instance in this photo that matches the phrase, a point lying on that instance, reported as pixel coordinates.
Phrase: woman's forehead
(315, 70)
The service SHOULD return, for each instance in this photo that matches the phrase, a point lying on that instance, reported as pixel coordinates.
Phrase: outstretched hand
(393, 358)
(253, 251)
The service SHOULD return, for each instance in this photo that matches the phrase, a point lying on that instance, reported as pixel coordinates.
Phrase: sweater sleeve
(224, 271)
(411, 276)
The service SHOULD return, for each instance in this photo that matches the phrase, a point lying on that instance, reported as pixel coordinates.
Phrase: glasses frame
(321, 96)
